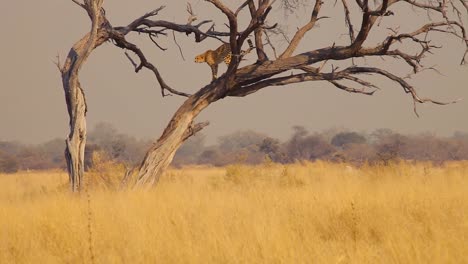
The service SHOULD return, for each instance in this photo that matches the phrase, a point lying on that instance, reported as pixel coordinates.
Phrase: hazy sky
(32, 105)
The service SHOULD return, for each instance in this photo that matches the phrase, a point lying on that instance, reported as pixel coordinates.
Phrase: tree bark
(180, 128)
(74, 94)
(76, 140)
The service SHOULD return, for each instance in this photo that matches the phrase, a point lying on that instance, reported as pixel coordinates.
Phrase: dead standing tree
(444, 17)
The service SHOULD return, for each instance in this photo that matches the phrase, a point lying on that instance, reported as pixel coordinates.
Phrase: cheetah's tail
(251, 46)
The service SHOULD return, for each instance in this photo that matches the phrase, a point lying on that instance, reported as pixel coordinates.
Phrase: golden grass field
(302, 213)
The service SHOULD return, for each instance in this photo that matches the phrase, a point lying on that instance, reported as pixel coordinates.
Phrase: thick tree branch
(258, 33)
(256, 24)
(232, 24)
(311, 74)
(369, 18)
(334, 77)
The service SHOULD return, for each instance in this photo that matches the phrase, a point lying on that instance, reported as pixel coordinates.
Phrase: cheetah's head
(200, 58)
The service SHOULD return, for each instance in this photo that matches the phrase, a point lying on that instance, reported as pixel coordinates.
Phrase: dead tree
(443, 17)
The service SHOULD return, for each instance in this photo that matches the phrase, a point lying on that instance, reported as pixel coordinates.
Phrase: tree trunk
(74, 94)
(180, 128)
(161, 154)
(76, 140)
(76, 105)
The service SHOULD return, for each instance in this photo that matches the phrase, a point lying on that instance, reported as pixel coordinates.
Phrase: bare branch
(79, 4)
(258, 32)
(413, 61)
(242, 6)
(193, 129)
(58, 63)
(269, 43)
(156, 43)
(232, 24)
(256, 24)
(311, 74)
(301, 32)
(121, 42)
(252, 73)
(281, 32)
(192, 16)
(333, 77)
(135, 65)
(348, 22)
(180, 49)
(165, 25)
(405, 85)
(151, 32)
(424, 5)
(350, 89)
(368, 20)
(139, 21)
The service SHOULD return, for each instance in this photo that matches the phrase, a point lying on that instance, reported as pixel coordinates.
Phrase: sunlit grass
(302, 213)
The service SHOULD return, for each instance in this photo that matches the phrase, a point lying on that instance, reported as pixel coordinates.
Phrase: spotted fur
(214, 57)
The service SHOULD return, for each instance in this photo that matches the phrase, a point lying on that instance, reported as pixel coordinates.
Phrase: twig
(180, 49)
(58, 63)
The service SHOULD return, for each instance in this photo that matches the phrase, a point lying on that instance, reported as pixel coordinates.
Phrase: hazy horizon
(32, 105)
(213, 140)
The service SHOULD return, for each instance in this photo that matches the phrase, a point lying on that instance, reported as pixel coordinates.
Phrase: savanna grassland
(302, 213)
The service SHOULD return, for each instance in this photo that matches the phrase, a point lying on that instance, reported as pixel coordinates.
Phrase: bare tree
(444, 17)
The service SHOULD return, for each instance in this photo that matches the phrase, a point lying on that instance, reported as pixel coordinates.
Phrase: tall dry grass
(303, 213)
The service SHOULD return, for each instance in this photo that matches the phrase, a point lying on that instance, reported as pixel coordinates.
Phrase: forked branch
(121, 42)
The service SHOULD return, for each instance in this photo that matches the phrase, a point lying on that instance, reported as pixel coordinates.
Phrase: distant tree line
(104, 138)
(380, 146)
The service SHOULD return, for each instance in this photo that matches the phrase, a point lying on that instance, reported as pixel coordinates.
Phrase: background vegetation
(248, 147)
